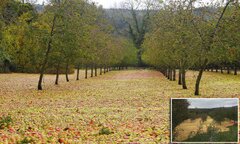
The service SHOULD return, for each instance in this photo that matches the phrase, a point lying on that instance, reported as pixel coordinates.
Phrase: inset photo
(204, 120)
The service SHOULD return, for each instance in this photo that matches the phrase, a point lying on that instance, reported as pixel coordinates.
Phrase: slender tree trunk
(78, 71)
(184, 85)
(221, 69)
(86, 72)
(167, 73)
(92, 71)
(171, 74)
(104, 69)
(199, 77)
(174, 75)
(198, 82)
(66, 72)
(45, 61)
(179, 77)
(101, 70)
(235, 70)
(216, 69)
(57, 73)
(228, 70)
(95, 71)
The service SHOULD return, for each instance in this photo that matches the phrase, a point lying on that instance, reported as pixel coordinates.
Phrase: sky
(104, 3)
(212, 103)
(109, 3)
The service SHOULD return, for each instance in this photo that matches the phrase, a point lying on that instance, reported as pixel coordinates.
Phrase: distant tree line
(218, 114)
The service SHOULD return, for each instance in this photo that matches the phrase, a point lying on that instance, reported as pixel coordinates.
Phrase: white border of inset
(204, 142)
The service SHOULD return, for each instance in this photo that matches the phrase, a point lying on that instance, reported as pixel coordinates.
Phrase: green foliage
(81, 36)
(105, 131)
(213, 135)
(172, 41)
(185, 37)
(221, 113)
(26, 140)
(5, 121)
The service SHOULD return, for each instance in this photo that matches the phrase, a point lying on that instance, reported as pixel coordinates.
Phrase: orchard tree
(207, 27)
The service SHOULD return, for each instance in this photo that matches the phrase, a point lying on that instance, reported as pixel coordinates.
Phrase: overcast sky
(104, 3)
(109, 3)
(212, 103)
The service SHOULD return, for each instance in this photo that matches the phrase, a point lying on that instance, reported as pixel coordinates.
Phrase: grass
(119, 107)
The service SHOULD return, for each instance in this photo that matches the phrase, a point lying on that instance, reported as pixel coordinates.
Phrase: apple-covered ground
(117, 107)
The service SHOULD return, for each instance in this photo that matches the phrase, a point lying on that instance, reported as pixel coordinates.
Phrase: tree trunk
(235, 70)
(171, 74)
(199, 77)
(95, 71)
(179, 77)
(66, 72)
(45, 61)
(184, 85)
(78, 71)
(86, 72)
(57, 74)
(104, 69)
(91, 71)
(228, 70)
(174, 75)
(168, 74)
(221, 70)
(100, 70)
(198, 81)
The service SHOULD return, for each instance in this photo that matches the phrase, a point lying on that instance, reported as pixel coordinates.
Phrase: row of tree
(185, 35)
(65, 35)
